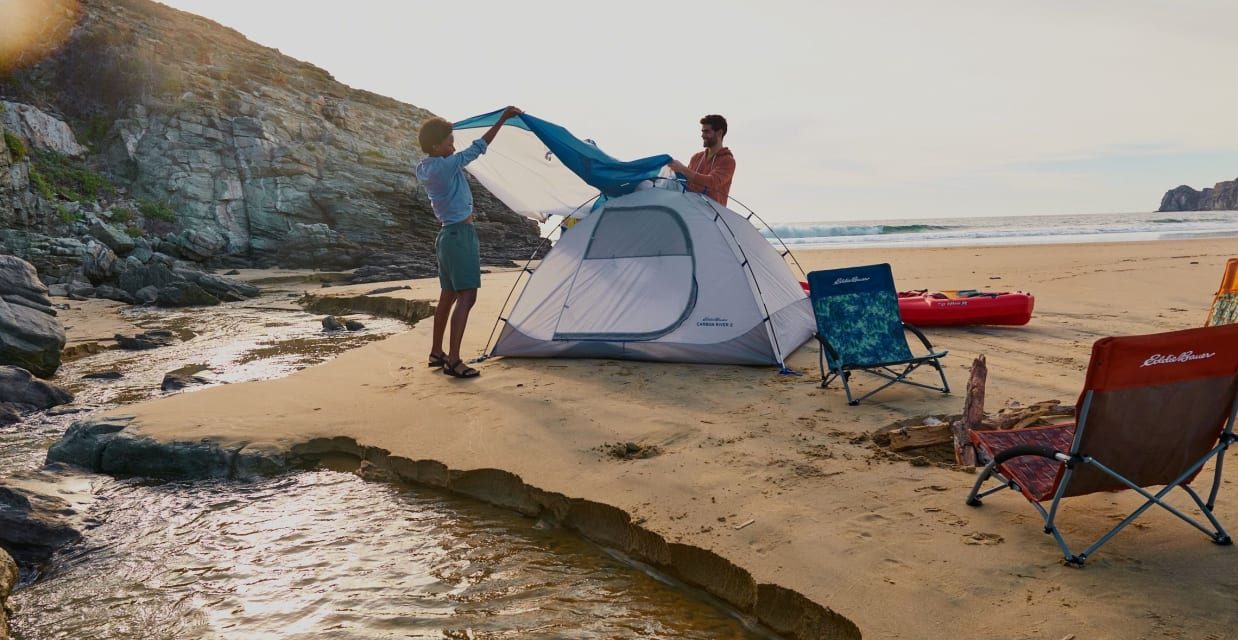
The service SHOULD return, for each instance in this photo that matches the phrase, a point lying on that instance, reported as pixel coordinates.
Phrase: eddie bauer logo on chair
(1185, 356)
(851, 280)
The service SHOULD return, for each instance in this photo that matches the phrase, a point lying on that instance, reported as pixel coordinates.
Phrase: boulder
(200, 244)
(9, 414)
(147, 295)
(18, 387)
(99, 263)
(33, 526)
(31, 336)
(184, 294)
(8, 579)
(39, 129)
(225, 289)
(142, 341)
(115, 239)
(174, 381)
(154, 274)
(109, 292)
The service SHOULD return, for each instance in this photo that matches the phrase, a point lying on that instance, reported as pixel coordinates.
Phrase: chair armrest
(825, 344)
(920, 335)
(1029, 450)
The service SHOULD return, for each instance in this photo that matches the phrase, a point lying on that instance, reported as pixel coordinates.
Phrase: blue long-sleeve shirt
(445, 182)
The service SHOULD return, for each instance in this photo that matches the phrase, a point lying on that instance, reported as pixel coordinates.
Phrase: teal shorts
(459, 257)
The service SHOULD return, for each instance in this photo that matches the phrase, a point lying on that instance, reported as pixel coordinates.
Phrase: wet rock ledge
(409, 311)
(107, 445)
(8, 578)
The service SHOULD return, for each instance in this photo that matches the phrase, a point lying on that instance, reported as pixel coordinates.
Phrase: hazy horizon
(838, 111)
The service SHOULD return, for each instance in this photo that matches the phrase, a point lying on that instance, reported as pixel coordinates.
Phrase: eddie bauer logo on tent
(714, 322)
(1170, 359)
(851, 280)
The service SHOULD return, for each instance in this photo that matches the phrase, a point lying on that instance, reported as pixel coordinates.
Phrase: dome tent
(660, 274)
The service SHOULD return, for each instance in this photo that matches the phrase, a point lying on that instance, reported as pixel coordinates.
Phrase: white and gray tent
(650, 274)
(660, 275)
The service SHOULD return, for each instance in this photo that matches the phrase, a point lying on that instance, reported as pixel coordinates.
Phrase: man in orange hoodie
(710, 171)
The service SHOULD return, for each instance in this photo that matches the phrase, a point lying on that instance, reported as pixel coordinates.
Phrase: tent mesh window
(638, 232)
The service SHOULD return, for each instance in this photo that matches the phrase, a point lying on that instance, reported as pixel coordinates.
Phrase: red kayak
(936, 308)
(965, 306)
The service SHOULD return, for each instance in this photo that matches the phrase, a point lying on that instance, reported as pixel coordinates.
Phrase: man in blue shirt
(441, 172)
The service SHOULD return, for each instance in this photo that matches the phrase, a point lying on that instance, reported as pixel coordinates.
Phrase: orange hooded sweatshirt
(713, 174)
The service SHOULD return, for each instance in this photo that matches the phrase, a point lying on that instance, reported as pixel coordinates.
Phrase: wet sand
(779, 476)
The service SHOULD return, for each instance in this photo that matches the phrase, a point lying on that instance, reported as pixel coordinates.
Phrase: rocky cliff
(207, 147)
(1221, 197)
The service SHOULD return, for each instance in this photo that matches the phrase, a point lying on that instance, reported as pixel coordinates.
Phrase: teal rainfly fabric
(610, 176)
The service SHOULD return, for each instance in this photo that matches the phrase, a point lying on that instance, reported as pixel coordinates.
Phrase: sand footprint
(978, 537)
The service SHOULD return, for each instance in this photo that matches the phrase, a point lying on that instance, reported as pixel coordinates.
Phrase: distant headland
(1221, 197)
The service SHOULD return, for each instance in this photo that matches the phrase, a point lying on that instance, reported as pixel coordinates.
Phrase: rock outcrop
(218, 150)
(1221, 197)
(34, 525)
(19, 391)
(31, 336)
(8, 580)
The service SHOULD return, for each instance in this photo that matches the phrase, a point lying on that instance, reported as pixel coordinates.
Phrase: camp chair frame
(885, 370)
(876, 284)
(1073, 461)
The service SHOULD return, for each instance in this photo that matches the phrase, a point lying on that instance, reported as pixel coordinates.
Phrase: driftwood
(905, 435)
(973, 414)
(1018, 418)
(920, 436)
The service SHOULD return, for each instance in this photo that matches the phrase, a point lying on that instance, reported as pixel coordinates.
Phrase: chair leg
(846, 376)
(974, 497)
(945, 386)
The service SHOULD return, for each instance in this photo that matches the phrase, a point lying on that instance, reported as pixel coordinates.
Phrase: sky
(855, 110)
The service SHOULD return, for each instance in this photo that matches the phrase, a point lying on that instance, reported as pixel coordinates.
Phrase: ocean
(1004, 230)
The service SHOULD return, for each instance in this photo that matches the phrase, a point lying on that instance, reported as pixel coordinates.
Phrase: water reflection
(312, 554)
(263, 338)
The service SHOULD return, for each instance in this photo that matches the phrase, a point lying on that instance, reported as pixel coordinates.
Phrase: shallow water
(304, 555)
(313, 554)
(263, 338)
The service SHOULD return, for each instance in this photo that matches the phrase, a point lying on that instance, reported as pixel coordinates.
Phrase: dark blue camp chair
(859, 328)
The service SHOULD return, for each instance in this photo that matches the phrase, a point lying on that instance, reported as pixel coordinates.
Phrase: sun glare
(30, 30)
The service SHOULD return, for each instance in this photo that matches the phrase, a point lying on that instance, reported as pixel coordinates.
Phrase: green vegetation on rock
(71, 178)
(15, 145)
(157, 210)
(44, 187)
(65, 215)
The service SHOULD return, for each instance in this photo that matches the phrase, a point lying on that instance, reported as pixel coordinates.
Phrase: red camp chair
(1154, 409)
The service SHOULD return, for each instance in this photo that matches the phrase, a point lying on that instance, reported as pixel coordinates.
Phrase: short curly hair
(716, 122)
(432, 133)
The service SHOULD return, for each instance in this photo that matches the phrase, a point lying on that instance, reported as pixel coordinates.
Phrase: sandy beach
(888, 544)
